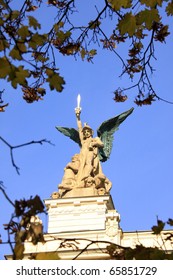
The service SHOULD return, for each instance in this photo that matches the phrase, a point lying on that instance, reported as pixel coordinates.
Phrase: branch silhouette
(12, 148)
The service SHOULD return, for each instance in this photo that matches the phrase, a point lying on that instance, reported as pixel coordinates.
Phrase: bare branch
(4, 193)
(41, 142)
(77, 240)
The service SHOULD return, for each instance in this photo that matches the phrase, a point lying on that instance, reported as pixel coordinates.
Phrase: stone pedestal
(82, 228)
(80, 222)
(81, 214)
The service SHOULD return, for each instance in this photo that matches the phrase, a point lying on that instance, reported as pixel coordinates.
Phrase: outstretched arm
(79, 123)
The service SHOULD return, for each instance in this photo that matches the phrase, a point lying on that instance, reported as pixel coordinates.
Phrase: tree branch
(4, 193)
(20, 146)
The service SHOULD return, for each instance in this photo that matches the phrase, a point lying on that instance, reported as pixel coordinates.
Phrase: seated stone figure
(69, 179)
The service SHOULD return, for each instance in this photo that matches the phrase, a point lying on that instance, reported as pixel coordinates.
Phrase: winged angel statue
(83, 175)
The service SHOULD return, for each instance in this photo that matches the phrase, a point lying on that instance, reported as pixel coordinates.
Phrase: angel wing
(70, 132)
(106, 133)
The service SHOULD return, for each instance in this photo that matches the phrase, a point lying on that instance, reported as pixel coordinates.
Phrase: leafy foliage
(28, 53)
(23, 225)
(140, 252)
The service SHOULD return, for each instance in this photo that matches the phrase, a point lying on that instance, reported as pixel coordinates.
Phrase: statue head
(89, 182)
(87, 131)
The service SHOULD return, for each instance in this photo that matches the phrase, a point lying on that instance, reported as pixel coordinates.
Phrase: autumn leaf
(32, 94)
(83, 53)
(31, 8)
(94, 24)
(2, 107)
(161, 33)
(23, 32)
(152, 3)
(70, 49)
(5, 67)
(34, 23)
(119, 96)
(169, 9)
(37, 40)
(145, 101)
(20, 76)
(55, 80)
(52, 2)
(14, 14)
(118, 4)
(15, 54)
(147, 17)
(3, 44)
(127, 25)
(61, 38)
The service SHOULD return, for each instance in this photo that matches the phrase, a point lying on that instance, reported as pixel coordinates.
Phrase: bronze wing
(72, 133)
(106, 133)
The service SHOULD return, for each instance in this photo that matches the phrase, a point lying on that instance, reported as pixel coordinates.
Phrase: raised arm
(79, 123)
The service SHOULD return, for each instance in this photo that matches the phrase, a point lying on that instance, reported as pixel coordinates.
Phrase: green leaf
(12, 73)
(23, 32)
(3, 45)
(169, 9)
(15, 54)
(49, 71)
(152, 3)
(92, 52)
(37, 40)
(34, 23)
(3, 4)
(41, 91)
(4, 67)
(40, 57)
(147, 17)
(127, 24)
(14, 14)
(58, 25)
(55, 80)
(62, 36)
(1, 21)
(32, 44)
(83, 53)
(20, 76)
(94, 24)
(21, 47)
(118, 4)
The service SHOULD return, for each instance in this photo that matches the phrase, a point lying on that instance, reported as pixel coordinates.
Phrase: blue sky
(140, 166)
